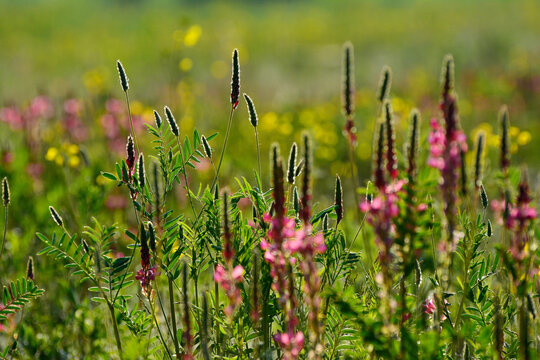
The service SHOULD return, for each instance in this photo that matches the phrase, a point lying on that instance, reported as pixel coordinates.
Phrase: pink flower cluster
(380, 213)
(292, 344)
(146, 276)
(438, 147)
(228, 281)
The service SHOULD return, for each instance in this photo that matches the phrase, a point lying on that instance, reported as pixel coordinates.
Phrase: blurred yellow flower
(51, 154)
(94, 81)
(72, 149)
(192, 35)
(524, 138)
(74, 161)
(101, 180)
(136, 107)
(185, 64)
(269, 121)
(514, 131)
(59, 160)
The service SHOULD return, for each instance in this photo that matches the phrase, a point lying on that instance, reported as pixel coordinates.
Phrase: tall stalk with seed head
(124, 82)
(254, 120)
(6, 199)
(235, 94)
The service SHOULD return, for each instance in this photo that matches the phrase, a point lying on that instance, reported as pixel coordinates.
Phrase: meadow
(269, 180)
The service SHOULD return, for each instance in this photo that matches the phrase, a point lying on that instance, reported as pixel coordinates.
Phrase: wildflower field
(269, 179)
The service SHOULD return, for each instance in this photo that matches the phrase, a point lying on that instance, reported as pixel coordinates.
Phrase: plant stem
(224, 147)
(5, 231)
(258, 151)
(185, 175)
(131, 123)
(115, 328)
(173, 318)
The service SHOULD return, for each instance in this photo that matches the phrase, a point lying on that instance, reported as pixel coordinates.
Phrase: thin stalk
(159, 331)
(115, 328)
(224, 147)
(216, 309)
(5, 231)
(185, 175)
(354, 179)
(173, 318)
(131, 124)
(258, 151)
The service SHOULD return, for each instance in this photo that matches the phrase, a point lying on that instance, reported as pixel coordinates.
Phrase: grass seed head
(235, 79)
(348, 79)
(385, 82)
(338, 199)
(291, 170)
(305, 211)
(172, 121)
(142, 173)
(152, 237)
(206, 146)
(124, 81)
(30, 269)
(378, 173)
(504, 121)
(391, 159)
(478, 162)
(145, 251)
(447, 75)
(6, 195)
(483, 197)
(56, 217)
(130, 150)
(158, 119)
(253, 118)
(412, 147)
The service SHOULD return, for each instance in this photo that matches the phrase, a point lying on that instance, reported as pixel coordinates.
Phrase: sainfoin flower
(518, 220)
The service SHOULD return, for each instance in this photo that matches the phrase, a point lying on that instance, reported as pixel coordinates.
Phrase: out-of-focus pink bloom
(34, 170)
(41, 107)
(228, 281)
(115, 202)
(428, 306)
(291, 342)
(12, 116)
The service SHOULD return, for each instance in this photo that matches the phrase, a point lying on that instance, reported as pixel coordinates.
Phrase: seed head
(338, 199)
(152, 237)
(305, 211)
(412, 149)
(291, 170)
(478, 162)
(483, 197)
(299, 168)
(325, 223)
(145, 251)
(206, 146)
(124, 81)
(385, 82)
(235, 79)
(447, 75)
(348, 79)
(296, 204)
(505, 140)
(172, 122)
(158, 119)
(6, 197)
(85, 246)
(56, 217)
(378, 174)
(130, 160)
(463, 172)
(391, 160)
(253, 119)
(142, 173)
(489, 229)
(30, 269)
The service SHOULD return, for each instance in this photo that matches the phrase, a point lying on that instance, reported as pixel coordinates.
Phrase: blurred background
(64, 120)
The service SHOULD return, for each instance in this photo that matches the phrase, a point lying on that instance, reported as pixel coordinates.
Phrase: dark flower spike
(348, 80)
(253, 119)
(463, 173)
(338, 199)
(130, 149)
(206, 146)
(325, 223)
(489, 229)
(412, 149)
(447, 75)
(124, 81)
(305, 211)
(504, 120)
(30, 269)
(145, 251)
(152, 237)
(478, 162)
(291, 170)
(6, 195)
(296, 204)
(56, 217)
(385, 82)
(172, 121)
(141, 172)
(378, 174)
(483, 197)
(391, 159)
(85, 246)
(235, 79)
(158, 119)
